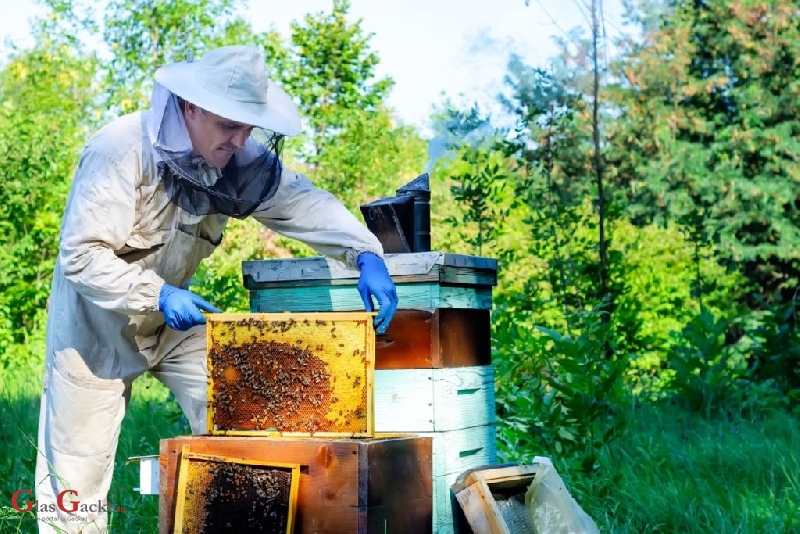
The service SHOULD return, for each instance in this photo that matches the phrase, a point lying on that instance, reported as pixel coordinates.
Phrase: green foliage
(675, 472)
(152, 415)
(776, 348)
(708, 372)
(352, 146)
(330, 71)
(710, 99)
(369, 159)
(479, 178)
(43, 114)
(563, 398)
(659, 269)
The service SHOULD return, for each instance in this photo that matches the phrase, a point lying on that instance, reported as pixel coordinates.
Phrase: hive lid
(412, 267)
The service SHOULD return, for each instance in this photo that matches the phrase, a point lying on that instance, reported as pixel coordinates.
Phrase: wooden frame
(183, 474)
(438, 338)
(456, 269)
(424, 281)
(381, 484)
(475, 489)
(348, 359)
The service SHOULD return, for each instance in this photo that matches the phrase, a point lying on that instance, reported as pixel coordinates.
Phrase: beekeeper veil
(230, 82)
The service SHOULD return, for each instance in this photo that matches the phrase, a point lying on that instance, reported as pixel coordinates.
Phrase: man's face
(213, 137)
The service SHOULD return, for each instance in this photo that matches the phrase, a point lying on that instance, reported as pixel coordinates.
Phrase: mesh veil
(251, 177)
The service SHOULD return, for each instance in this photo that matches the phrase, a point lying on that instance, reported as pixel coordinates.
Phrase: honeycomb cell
(230, 495)
(280, 373)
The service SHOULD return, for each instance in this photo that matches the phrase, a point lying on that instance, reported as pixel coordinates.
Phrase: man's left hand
(375, 281)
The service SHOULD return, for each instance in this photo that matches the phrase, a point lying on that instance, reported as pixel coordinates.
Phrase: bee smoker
(402, 223)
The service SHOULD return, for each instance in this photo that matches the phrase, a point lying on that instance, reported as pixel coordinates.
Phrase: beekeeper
(150, 198)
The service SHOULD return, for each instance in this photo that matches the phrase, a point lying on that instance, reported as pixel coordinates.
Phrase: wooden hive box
(493, 498)
(359, 485)
(433, 373)
(291, 374)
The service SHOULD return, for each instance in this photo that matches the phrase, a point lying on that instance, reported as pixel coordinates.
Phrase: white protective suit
(121, 240)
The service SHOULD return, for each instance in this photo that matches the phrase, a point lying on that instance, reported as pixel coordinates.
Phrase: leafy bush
(561, 395)
(708, 372)
(776, 347)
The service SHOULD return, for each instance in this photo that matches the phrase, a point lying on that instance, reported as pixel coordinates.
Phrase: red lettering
(15, 501)
(60, 501)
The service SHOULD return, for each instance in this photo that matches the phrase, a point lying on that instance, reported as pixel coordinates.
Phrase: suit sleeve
(98, 220)
(314, 216)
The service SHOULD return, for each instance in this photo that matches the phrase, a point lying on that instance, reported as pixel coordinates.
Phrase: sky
(430, 48)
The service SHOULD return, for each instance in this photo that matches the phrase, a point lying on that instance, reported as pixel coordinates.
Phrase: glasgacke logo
(66, 505)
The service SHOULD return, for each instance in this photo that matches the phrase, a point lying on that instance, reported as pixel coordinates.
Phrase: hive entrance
(218, 494)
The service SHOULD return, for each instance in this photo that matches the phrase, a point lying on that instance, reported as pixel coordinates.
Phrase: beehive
(376, 485)
(217, 494)
(434, 374)
(298, 374)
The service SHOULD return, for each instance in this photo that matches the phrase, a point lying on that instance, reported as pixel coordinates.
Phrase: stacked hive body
(359, 485)
(292, 428)
(433, 375)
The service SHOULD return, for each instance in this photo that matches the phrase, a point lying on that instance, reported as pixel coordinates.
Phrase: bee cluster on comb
(219, 494)
(296, 374)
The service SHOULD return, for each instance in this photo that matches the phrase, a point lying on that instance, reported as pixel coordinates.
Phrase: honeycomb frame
(291, 374)
(193, 486)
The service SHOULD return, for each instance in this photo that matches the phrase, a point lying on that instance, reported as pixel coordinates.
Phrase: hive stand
(433, 372)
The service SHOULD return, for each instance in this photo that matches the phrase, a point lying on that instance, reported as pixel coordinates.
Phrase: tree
(48, 93)
(142, 35)
(352, 145)
(710, 101)
(330, 71)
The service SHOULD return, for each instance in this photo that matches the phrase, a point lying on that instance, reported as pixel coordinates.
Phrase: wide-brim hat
(232, 82)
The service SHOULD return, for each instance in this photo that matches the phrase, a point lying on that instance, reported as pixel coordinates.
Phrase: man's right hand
(182, 308)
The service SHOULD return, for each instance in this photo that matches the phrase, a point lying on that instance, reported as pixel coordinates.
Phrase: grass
(152, 415)
(675, 472)
(670, 472)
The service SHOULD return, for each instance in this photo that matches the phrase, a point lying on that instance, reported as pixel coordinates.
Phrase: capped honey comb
(291, 374)
(223, 494)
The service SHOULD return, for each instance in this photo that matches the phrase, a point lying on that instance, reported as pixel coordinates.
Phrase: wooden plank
(465, 337)
(259, 272)
(463, 397)
(481, 510)
(438, 273)
(404, 400)
(346, 298)
(502, 477)
(346, 485)
(448, 518)
(434, 400)
(455, 451)
(467, 276)
(444, 337)
(478, 490)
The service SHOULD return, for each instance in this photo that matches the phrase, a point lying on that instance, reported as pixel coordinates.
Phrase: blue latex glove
(181, 307)
(375, 281)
